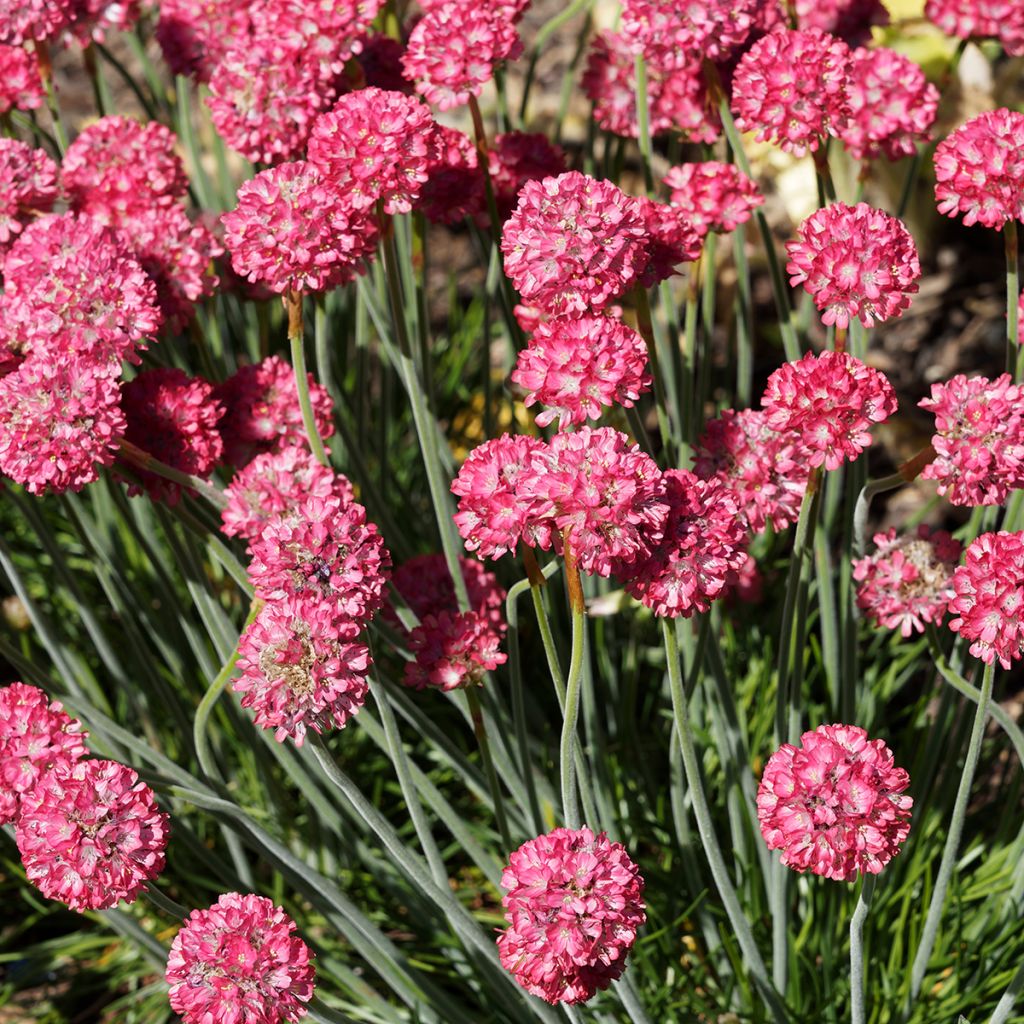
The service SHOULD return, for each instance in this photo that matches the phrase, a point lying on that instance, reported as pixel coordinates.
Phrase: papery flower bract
(20, 85)
(979, 439)
(455, 187)
(850, 20)
(908, 580)
(514, 158)
(91, 834)
(35, 734)
(574, 905)
(452, 650)
(989, 598)
(712, 196)
(25, 20)
(857, 262)
(194, 35)
(28, 187)
(578, 367)
(239, 962)
(979, 169)
(829, 401)
(836, 805)
(978, 19)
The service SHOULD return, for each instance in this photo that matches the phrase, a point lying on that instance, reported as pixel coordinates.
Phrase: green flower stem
(643, 121)
(867, 888)
(100, 92)
(544, 33)
(164, 903)
(906, 474)
(826, 185)
(702, 390)
(687, 387)
(46, 77)
(1006, 1003)
(493, 783)
(950, 850)
(296, 340)
(320, 1013)
(570, 711)
(143, 460)
(1014, 357)
(645, 326)
(744, 325)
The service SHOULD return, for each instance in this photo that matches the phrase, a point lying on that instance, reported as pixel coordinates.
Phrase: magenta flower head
(20, 85)
(830, 402)
(452, 650)
(35, 735)
(194, 35)
(574, 243)
(238, 961)
(671, 241)
(850, 20)
(989, 601)
(979, 439)
(425, 585)
(979, 170)
(579, 367)
(91, 834)
(980, 19)
(514, 158)
(712, 196)
(669, 33)
(855, 261)
(790, 87)
(28, 187)
(836, 805)
(455, 187)
(25, 20)
(574, 905)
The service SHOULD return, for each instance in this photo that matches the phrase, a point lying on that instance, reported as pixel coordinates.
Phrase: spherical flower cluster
(91, 834)
(35, 734)
(836, 805)
(702, 547)
(194, 35)
(790, 87)
(574, 905)
(92, 19)
(712, 196)
(850, 20)
(454, 48)
(830, 402)
(671, 240)
(452, 650)
(578, 367)
(748, 587)
(261, 410)
(380, 59)
(375, 146)
(987, 601)
(766, 471)
(979, 169)
(28, 187)
(855, 261)
(892, 106)
(907, 582)
(238, 961)
(978, 19)
(174, 418)
(454, 188)
(24, 20)
(20, 85)
(425, 585)
(668, 32)
(574, 243)
(979, 439)
(514, 158)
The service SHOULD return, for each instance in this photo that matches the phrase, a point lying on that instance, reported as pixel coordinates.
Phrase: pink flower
(979, 170)
(91, 834)
(671, 240)
(765, 470)
(907, 582)
(59, 419)
(20, 85)
(702, 547)
(25, 20)
(855, 261)
(239, 962)
(830, 401)
(514, 159)
(850, 20)
(835, 805)
(669, 32)
(455, 186)
(92, 19)
(574, 243)
(375, 146)
(454, 48)
(35, 734)
(425, 585)
(381, 61)
(892, 105)
(989, 601)
(790, 87)
(301, 669)
(28, 187)
(748, 587)
(971, 19)
(194, 35)
(979, 438)
(452, 650)
(261, 410)
(574, 905)
(293, 231)
(579, 367)
(712, 196)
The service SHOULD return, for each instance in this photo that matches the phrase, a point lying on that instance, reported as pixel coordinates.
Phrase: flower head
(425, 585)
(978, 19)
(668, 32)
(671, 240)
(25, 20)
(850, 20)
(514, 158)
(91, 834)
(836, 805)
(452, 650)
(20, 85)
(239, 961)
(380, 59)
(194, 35)
(574, 905)
(712, 196)
(454, 188)
(28, 187)
(92, 19)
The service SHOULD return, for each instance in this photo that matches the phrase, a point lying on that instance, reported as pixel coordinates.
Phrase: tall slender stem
(570, 715)
(867, 888)
(293, 300)
(46, 76)
(1014, 358)
(643, 121)
(645, 326)
(135, 456)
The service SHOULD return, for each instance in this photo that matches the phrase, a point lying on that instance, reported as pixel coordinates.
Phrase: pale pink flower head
(35, 734)
(25, 20)
(579, 367)
(980, 19)
(979, 169)
(790, 87)
(989, 599)
(830, 401)
(908, 580)
(669, 32)
(194, 35)
(696, 559)
(979, 439)
(850, 20)
(574, 905)
(712, 196)
(514, 158)
(173, 417)
(292, 230)
(376, 146)
(453, 50)
(21, 88)
(857, 262)
(836, 805)
(452, 650)
(454, 188)
(574, 243)
(301, 669)
(28, 187)
(239, 962)
(765, 470)
(892, 105)
(60, 419)
(91, 834)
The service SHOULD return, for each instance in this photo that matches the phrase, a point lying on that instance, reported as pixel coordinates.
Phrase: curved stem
(907, 473)
(293, 300)
(570, 713)
(143, 460)
(860, 914)
(164, 903)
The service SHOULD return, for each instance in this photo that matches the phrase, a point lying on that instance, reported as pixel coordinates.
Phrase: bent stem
(907, 473)
(141, 459)
(860, 914)
(293, 300)
(570, 715)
